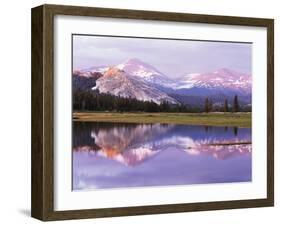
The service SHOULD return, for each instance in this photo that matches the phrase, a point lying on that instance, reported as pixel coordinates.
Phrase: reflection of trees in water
(129, 135)
(115, 136)
(120, 141)
(133, 143)
(208, 128)
(81, 135)
(81, 131)
(235, 131)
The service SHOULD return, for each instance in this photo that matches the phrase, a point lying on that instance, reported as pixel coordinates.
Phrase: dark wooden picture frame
(42, 203)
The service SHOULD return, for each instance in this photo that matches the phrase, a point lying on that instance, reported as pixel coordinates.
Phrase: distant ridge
(137, 79)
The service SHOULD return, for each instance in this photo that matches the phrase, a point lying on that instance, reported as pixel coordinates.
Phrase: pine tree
(235, 104)
(207, 105)
(210, 105)
(225, 105)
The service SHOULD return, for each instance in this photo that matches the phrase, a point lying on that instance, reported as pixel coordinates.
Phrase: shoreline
(240, 119)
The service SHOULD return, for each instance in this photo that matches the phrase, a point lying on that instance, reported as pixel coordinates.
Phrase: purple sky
(172, 57)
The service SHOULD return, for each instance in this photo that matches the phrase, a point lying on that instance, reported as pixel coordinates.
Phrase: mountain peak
(136, 67)
(134, 61)
(137, 64)
(224, 69)
(148, 73)
(219, 79)
(230, 72)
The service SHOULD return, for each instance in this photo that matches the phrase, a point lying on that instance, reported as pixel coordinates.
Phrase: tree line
(208, 106)
(90, 100)
(95, 101)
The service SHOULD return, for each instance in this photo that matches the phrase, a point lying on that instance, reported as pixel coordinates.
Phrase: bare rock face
(119, 83)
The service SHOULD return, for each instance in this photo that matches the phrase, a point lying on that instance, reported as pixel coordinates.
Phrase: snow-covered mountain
(137, 79)
(138, 68)
(91, 71)
(146, 72)
(221, 79)
(119, 83)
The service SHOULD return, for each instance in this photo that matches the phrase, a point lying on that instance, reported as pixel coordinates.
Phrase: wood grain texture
(42, 114)
(155, 15)
(37, 159)
(43, 106)
(270, 111)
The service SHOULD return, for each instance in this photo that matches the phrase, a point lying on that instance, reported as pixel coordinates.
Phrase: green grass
(208, 119)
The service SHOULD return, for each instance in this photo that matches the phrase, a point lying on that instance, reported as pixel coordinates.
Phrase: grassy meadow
(208, 119)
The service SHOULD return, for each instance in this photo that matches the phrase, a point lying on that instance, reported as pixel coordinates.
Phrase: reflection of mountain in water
(132, 144)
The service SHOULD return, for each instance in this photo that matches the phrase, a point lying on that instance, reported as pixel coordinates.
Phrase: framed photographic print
(141, 112)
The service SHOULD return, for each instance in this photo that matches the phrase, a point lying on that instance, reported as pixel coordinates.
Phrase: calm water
(115, 155)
